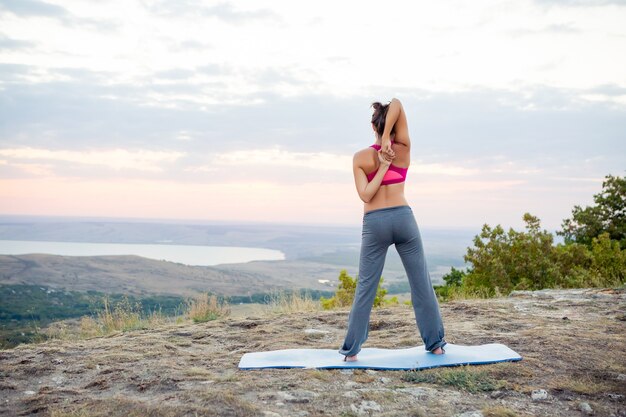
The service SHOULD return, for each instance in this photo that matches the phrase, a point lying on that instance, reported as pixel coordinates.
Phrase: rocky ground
(573, 345)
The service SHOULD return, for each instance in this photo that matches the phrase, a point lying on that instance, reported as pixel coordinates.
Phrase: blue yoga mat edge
(380, 359)
(378, 368)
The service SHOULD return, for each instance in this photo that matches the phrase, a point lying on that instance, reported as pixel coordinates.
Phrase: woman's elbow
(365, 199)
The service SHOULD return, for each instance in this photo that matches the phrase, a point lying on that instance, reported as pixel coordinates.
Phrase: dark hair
(379, 116)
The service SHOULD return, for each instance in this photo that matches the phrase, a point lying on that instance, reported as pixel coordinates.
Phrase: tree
(454, 277)
(608, 215)
(505, 261)
(344, 296)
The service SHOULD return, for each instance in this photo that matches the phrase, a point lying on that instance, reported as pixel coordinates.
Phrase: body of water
(185, 254)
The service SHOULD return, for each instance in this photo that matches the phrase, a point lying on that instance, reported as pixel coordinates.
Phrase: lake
(185, 254)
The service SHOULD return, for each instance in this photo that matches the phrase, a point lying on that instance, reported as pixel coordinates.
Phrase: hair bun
(379, 116)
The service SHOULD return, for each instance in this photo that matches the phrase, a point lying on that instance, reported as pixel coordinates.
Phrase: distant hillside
(141, 276)
(293, 240)
(571, 341)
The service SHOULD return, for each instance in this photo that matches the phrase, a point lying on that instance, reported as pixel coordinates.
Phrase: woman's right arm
(367, 190)
(396, 121)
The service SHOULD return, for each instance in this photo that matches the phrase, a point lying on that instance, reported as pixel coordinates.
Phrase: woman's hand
(384, 158)
(386, 146)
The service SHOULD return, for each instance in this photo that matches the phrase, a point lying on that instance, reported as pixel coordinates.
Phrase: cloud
(222, 11)
(27, 8)
(37, 8)
(582, 3)
(544, 131)
(7, 43)
(279, 157)
(115, 159)
(553, 29)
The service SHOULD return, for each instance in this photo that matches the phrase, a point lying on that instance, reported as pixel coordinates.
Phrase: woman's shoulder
(365, 152)
(364, 155)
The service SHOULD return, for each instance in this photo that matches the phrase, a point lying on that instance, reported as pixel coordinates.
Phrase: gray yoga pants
(382, 228)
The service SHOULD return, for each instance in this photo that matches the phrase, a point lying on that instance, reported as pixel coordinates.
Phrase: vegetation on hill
(26, 309)
(608, 215)
(345, 293)
(593, 254)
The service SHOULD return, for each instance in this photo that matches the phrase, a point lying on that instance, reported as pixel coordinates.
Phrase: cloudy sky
(252, 110)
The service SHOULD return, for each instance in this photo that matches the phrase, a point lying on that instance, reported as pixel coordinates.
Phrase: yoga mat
(375, 358)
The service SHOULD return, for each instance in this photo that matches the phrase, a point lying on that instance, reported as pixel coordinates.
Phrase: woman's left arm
(368, 189)
(396, 121)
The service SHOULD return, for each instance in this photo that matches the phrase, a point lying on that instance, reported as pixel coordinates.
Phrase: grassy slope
(570, 342)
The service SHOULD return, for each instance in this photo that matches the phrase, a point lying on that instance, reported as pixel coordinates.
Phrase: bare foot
(438, 351)
(349, 358)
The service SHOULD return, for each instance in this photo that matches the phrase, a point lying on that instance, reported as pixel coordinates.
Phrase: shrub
(122, 316)
(514, 260)
(291, 302)
(502, 262)
(454, 277)
(205, 307)
(608, 215)
(344, 296)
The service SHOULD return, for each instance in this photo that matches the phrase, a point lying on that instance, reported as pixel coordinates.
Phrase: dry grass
(498, 411)
(466, 378)
(284, 302)
(581, 384)
(121, 317)
(461, 293)
(205, 307)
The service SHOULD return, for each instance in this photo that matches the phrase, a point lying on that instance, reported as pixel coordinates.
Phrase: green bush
(344, 296)
(502, 262)
(608, 215)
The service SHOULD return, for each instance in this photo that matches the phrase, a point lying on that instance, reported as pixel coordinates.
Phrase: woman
(387, 220)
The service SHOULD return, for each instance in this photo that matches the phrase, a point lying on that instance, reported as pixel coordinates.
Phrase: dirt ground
(573, 344)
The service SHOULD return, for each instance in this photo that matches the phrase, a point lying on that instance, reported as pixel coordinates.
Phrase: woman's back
(387, 195)
(392, 119)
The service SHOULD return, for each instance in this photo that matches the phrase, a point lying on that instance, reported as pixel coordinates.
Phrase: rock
(539, 395)
(30, 392)
(370, 372)
(615, 397)
(419, 393)
(315, 332)
(270, 414)
(385, 380)
(347, 371)
(351, 394)
(365, 407)
(59, 380)
(351, 384)
(585, 408)
(621, 377)
(297, 397)
(496, 394)
(470, 414)
(181, 333)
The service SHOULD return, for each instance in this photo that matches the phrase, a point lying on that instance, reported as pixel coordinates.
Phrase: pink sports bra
(394, 174)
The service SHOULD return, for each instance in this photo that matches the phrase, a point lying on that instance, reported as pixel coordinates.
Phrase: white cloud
(322, 161)
(439, 46)
(278, 157)
(117, 159)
